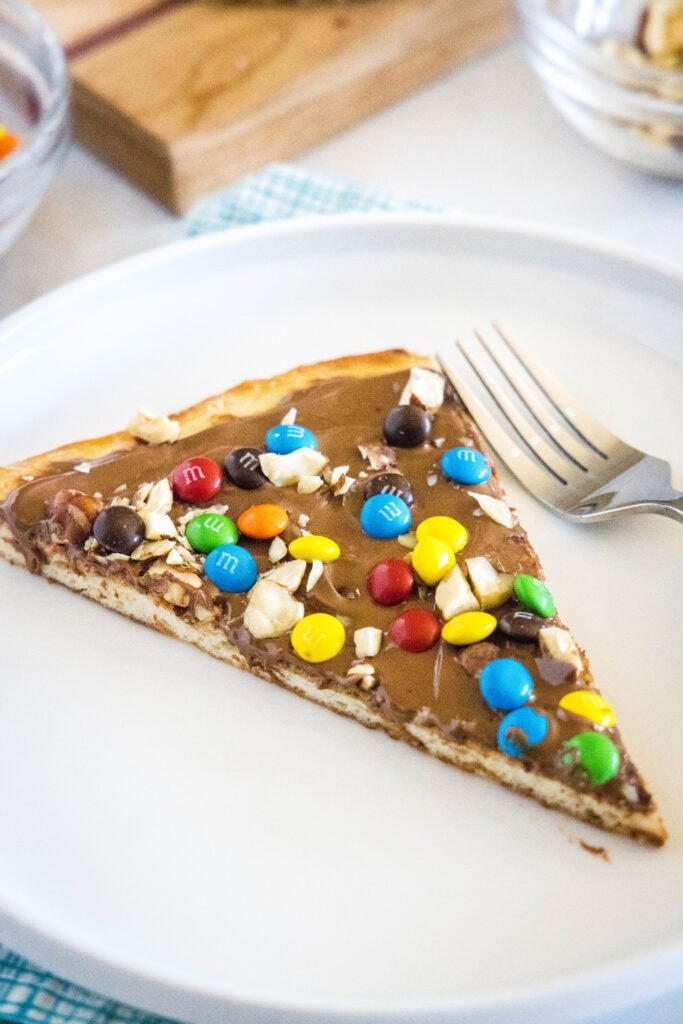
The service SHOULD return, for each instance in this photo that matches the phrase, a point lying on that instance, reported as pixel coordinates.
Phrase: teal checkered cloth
(282, 191)
(28, 994)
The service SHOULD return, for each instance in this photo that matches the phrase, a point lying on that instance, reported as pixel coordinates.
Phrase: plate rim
(334, 222)
(588, 984)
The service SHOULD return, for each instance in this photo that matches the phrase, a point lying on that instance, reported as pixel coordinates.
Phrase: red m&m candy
(197, 479)
(390, 581)
(415, 630)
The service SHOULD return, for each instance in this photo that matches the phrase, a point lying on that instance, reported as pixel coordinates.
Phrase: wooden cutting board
(184, 96)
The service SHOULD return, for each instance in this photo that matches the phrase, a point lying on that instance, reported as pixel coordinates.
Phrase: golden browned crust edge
(246, 399)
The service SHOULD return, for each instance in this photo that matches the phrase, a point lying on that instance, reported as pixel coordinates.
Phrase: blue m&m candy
(232, 568)
(288, 437)
(521, 729)
(384, 516)
(465, 466)
(505, 684)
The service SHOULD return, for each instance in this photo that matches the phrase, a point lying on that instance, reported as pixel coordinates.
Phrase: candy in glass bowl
(34, 114)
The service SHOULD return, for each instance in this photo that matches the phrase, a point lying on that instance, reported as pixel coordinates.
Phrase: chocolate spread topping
(437, 687)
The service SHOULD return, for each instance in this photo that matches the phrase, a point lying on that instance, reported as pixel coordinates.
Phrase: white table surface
(483, 140)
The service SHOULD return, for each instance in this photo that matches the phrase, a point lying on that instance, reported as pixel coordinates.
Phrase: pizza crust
(246, 399)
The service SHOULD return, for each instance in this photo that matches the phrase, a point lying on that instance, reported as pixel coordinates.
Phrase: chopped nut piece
(453, 594)
(271, 610)
(339, 480)
(277, 549)
(380, 456)
(71, 515)
(333, 475)
(631, 793)
(153, 503)
(491, 588)
(559, 644)
(425, 388)
(192, 513)
(176, 595)
(315, 574)
(408, 540)
(151, 549)
(288, 574)
(160, 497)
(202, 613)
(157, 525)
(142, 494)
(364, 674)
(283, 470)
(179, 555)
(153, 429)
(186, 578)
(309, 484)
(494, 508)
(368, 641)
(289, 417)
(343, 485)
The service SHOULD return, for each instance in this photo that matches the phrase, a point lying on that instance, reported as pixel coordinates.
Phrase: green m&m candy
(591, 756)
(209, 530)
(534, 595)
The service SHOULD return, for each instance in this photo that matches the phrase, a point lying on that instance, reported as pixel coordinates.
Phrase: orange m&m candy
(8, 142)
(263, 522)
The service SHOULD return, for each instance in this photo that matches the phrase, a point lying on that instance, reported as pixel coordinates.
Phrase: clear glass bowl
(34, 106)
(629, 108)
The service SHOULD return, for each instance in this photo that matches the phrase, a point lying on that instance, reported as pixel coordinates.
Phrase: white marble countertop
(483, 140)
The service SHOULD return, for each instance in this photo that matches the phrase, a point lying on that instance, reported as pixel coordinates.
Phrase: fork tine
(616, 480)
(589, 430)
(524, 428)
(525, 386)
(534, 475)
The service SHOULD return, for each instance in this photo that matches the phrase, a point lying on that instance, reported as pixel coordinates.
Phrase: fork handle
(643, 487)
(670, 507)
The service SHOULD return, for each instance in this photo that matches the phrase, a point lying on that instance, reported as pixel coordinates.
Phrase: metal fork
(563, 456)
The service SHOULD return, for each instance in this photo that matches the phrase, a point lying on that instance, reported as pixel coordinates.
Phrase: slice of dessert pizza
(339, 531)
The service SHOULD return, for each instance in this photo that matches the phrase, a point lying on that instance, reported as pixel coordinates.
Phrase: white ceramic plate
(184, 837)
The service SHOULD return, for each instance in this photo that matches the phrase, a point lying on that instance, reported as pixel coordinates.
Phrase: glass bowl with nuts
(614, 70)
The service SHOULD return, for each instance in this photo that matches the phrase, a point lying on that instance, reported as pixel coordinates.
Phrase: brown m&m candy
(243, 468)
(521, 624)
(119, 529)
(406, 426)
(390, 483)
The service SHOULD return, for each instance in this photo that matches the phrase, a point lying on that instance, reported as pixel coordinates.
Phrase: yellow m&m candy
(589, 705)
(314, 547)
(432, 559)
(318, 637)
(446, 529)
(469, 628)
